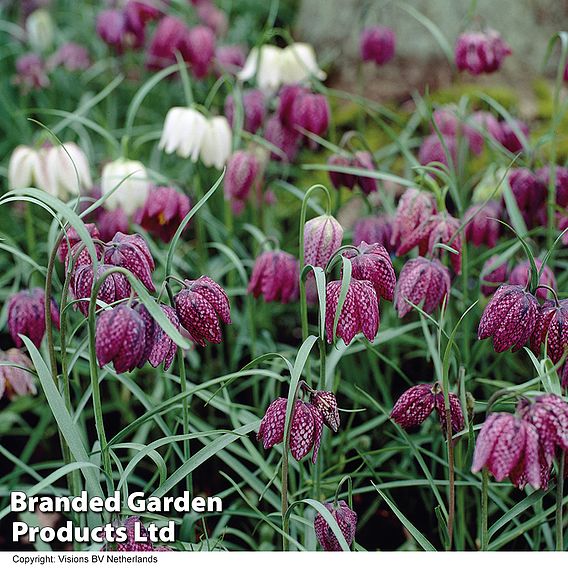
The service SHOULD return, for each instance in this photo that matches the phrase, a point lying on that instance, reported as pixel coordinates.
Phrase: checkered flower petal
(131, 545)
(276, 276)
(414, 406)
(163, 346)
(302, 431)
(456, 413)
(414, 207)
(271, 431)
(346, 520)
(326, 403)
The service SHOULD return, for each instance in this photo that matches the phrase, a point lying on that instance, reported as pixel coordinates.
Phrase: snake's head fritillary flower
(447, 122)
(31, 72)
(216, 143)
(561, 185)
(71, 238)
(509, 447)
(230, 59)
(548, 413)
(163, 212)
(484, 227)
(480, 52)
(298, 62)
(287, 98)
(14, 379)
(254, 107)
(131, 544)
(322, 237)
(346, 520)
(275, 275)
(133, 185)
(26, 316)
(509, 318)
(286, 139)
(414, 406)
(199, 50)
(375, 229)
(120, 338)
(340, 179)
(311, 112)
(377, 44)
(364, 161)
(71, 56)
(114, 288)
(171, 36)
(359, 313)
(118, 31)
(421, 280)
(200, 306)
(521, 274)
(109, 223)
(23, 167)
(414, 207)
(163, 348)
(456, 413)
(509, 137)
(242, 171)
(529, 193)
(40, 30)
(183, 133)
(493, 274)
(264, 64)
(326, 403)
(210, 16)
(149, 328)
(305, 430)
(441, 228)
(132, 253)
(435, 149)
(372, 262)
(551, 329)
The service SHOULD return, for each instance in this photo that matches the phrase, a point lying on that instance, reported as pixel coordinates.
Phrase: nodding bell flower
(212, 17)
(26, 316)
(421, 280)
(484, 227)
(311, 112)
(509, 447)
(441, 228)
(254, 107)
(286, 139)
(346, 519)
(359, 313)
(39, 30)
(529, 193)
(372, 262)
(340, 179)
(561, 182)
(493, 275)
(14, 379)
(120, 29)
(71, 238)
(364, 161)
(375, 229)
(418, 402)
(377, 44)
(509, 138)
(31, 72)
(322, 237)
(23, 168)
(326, 403)
(120, 338)
(199, 50)
(305, 429)
(229, 59)
(414, 207)
(171, 36)
(298, 63)
(435, 149)
(275, 275)
(71, 56)
(133, 185)
(131, 252)
(548, 413)
(242, 171)
(114, 288)
(551, 329)
(200, 306)
(480, 52)
(521, 275)
(450, 124)
(111, 222)
(509, 317)
(163, 212)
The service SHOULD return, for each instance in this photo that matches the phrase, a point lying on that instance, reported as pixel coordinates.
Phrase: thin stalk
(451, 478)
(559, 499)
(484, 509)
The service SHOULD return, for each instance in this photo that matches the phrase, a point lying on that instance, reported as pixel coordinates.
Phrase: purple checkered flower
(521, 276)
(286, 139)
(373, 263)
(339, 179)
(326, 403)
(311, 112)
(365, 161)
(305, 430)
(484, 227)
(509, 317)
(509, 447)
(529, 193)
(131, 545)
(414, 207)
(200, 306)
(71, 238)
(377, 44)
(359, 313)
(493, 275)
(322, 237)
(480, 52)
(421, 280)
(120, 338)
(346, 519)
(551, 329)
(242, 171)
(132, 253)
(276, 276)
(375, 229)
(26, 316)
(254, 106)
(509, 138)
(434, 149)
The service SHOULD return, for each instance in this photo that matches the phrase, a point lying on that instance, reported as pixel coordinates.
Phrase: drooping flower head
(71, 238)
(200, 306)
(31, 73)
(163, 347)
(130, 179)
(375, 229)
(373, 263)
(171, 36)
(346, 519)
(529, 193)
(26, 316)
(275, 275)
(435, 149)
(120, 338)
(14, 379)
(359, 313)
(414, 207)
(421, 281)
(377, 44)
(364, 161)
(163, 212)
(199, 50)
(484, 227)
(286, 139)
(322, 237)
(480, 52)
(551, 329)
(521, 275)
(326, 403)
(254, 107)
(311, 112)
(509, 137)
(493, 274)
(71, 56)
(509, 318)
(243, 170)
(340, 179)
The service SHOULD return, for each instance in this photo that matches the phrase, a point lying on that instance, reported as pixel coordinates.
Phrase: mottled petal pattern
(346, 519)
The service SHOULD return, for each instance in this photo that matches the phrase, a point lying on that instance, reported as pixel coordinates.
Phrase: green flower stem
(484, 509)
(451, 475)
(200, 228)
(559, 507)
(30, 230)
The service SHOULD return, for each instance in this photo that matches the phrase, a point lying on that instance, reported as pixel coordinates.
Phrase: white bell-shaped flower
(298, 63)
(68, 170)
(216, 144)
(133, 185)
(265, 63)
(22, 167)
(183, 132)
